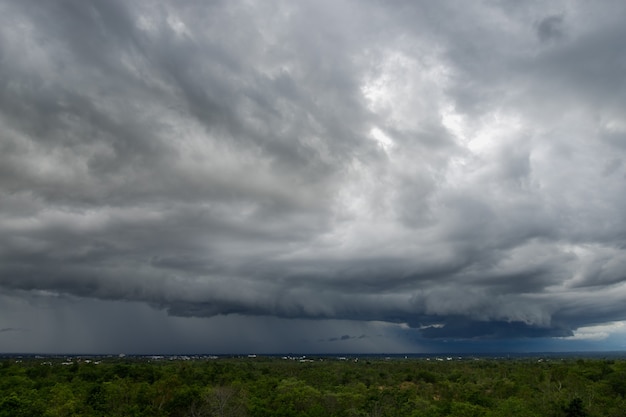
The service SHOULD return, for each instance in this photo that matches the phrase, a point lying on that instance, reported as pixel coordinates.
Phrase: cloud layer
(457, 169)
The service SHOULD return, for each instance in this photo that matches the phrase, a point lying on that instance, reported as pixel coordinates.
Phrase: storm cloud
(452, 170)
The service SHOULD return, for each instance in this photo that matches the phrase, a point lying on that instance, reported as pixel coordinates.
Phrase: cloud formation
(456, 170)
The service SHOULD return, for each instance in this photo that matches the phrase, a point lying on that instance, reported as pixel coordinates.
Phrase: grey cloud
(414, 164)
(550, 28)
(11, 329)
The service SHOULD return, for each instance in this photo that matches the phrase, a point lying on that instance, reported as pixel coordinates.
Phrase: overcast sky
(312, 176)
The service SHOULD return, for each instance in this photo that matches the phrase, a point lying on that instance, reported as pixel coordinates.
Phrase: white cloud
(600, 332)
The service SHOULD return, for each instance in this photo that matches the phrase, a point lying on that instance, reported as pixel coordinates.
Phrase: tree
(220, 402)
(575, 408)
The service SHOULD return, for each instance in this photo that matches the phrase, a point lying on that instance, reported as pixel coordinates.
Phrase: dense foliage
(329, 387)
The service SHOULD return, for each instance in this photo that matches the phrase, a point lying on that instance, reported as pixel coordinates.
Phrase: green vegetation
(276, 387)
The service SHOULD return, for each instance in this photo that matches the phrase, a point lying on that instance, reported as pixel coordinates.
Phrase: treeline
(274, 387)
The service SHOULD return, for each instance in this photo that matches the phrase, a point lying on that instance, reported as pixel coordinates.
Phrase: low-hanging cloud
(458, 171)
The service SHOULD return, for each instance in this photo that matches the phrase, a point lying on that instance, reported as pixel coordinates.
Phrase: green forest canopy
(267, 386)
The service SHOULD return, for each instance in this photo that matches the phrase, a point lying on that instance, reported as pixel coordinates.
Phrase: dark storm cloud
(466, 329)
(455, 170)
(343, 338)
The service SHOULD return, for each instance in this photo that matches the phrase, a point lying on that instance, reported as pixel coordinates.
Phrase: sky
(312, 176)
